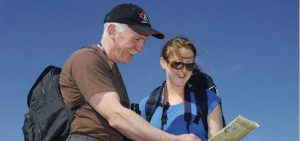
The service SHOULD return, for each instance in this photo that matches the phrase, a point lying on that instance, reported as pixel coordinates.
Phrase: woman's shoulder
(144, 101)
(211, 95)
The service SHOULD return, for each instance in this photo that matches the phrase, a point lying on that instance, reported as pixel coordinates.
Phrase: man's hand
(187, 137)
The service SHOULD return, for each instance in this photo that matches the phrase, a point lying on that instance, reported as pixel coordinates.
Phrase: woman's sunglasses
(180, 65)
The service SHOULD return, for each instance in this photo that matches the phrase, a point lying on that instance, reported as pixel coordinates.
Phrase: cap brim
(146, 30)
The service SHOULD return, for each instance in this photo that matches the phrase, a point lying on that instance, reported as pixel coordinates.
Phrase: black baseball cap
(135, 17)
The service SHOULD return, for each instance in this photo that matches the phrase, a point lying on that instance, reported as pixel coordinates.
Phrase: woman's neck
(174, 94)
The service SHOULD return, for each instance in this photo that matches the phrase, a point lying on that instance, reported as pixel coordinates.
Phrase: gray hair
(120, 28)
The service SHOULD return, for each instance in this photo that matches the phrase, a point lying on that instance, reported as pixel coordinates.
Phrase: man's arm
(129, 123)
(215, 121)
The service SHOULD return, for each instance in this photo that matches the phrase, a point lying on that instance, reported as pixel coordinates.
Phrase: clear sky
(249, 47)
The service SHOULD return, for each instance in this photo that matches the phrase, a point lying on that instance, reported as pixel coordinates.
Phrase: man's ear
(111, 29)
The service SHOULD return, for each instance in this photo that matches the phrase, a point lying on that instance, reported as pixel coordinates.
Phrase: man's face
(127, 43)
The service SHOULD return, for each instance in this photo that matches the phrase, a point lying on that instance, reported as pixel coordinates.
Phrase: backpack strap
(199, 83)
(153, 101)
(202, 108)
(224, 122)
(164, 116)
(187, 108)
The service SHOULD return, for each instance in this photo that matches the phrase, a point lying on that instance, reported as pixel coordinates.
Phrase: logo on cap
(144, 17)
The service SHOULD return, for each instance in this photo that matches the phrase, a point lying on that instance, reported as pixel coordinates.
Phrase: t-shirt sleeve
(213, 100)
(91, 75)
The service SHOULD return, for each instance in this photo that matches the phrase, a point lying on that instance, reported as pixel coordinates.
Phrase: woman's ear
(163, 63)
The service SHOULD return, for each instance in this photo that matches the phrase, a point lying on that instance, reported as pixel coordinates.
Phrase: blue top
(176, 123)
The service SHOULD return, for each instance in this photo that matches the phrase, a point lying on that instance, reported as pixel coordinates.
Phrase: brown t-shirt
(89, 71)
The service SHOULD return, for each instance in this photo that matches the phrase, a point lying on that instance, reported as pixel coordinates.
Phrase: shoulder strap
(199, 83)
(202, 108)
(153, 101)
(224, 122)
(187, 108)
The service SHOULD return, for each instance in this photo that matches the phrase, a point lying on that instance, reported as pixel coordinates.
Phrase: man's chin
(127, 61)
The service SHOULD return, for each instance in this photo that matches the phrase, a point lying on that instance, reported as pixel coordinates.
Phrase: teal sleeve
(213, 100)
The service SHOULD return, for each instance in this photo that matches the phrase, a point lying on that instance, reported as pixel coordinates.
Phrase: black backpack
(48, 118)
(198, 83)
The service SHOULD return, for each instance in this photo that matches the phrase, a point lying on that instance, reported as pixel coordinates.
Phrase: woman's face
(179, 67)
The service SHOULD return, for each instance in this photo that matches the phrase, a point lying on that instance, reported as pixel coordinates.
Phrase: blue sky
(249, 47)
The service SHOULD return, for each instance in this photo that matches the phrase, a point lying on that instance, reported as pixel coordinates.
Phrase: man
(92, 74)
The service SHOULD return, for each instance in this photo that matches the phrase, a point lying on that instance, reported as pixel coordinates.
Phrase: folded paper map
(235, 130)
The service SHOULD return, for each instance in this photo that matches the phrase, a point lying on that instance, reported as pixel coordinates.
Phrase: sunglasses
(180, 65)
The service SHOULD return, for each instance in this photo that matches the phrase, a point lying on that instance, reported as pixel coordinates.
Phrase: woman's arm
(215, 121)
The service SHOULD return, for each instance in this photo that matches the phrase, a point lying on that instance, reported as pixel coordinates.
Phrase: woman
(176, 98)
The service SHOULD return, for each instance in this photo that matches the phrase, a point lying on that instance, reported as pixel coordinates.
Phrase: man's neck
(107, 47)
